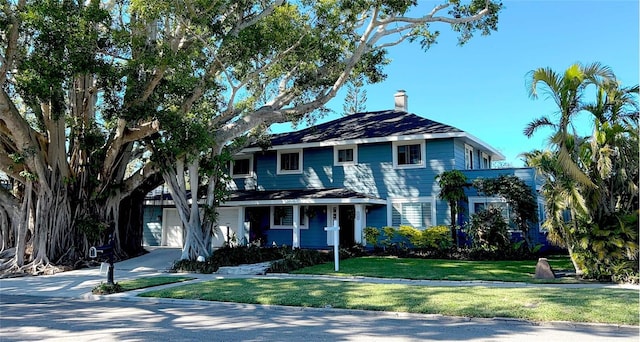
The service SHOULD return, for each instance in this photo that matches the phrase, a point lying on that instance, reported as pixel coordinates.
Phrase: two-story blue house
(371, 169)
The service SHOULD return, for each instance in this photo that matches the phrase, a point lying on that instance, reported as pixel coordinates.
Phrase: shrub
(488, 229)
(371, 235)
(299, 258)
(437, 238)
(105, 289)
(389, 235)
(206, 267)
(288, 259)
(411, 235)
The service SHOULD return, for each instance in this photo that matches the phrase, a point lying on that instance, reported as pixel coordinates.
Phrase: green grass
(391, 267)
(536, 304)
(141, 283)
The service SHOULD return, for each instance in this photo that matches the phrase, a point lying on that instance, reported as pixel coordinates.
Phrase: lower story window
(415, 214)
(282, 217)
(506, 210)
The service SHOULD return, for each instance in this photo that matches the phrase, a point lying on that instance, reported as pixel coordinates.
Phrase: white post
(296, 226)
(241, 228)
(359, 222)
(336, 244)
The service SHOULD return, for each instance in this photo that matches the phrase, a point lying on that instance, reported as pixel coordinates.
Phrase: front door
(346, 219)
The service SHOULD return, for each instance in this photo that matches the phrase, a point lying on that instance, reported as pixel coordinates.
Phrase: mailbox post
(336, 243)
(106, 251)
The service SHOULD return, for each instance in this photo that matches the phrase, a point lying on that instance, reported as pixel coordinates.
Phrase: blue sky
(480, 87)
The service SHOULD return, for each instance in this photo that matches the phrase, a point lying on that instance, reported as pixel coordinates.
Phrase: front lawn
(536, 304)
(135, 284)
(437, 269)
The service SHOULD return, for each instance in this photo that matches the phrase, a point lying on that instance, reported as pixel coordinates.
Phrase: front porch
(297, 218)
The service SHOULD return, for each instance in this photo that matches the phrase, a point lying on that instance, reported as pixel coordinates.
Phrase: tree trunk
(196, 237)
(130, 222)
(454, 221)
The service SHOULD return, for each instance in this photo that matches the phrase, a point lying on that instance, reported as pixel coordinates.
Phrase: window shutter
(427, 220)
(396, 216)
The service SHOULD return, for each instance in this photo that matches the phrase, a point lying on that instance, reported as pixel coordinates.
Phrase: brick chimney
(401, 101)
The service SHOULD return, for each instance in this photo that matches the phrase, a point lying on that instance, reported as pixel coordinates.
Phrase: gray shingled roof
(365, 126)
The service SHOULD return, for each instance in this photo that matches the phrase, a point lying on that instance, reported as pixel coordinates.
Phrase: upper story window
(242, 167)
(289, 161)
(418, 213)
(347, 154)
(468, 157)
(409, 154)
(486, 161)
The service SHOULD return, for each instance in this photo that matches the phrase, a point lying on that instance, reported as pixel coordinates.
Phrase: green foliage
(610, 252)
(371, 235)
(437, 238)
(388, 234)
(299, 258)
(105, 289)
(413, 235)
(452, 186)
(285, 258)
(590, 183)
(92, 228)
(520, 197)
(488, 229)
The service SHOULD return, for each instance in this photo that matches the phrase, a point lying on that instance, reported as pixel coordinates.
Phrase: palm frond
(534, 125)
(571, 169)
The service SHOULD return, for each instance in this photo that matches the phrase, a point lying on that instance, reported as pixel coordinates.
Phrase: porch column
(358, 223)
(243, 232)
(296, 226)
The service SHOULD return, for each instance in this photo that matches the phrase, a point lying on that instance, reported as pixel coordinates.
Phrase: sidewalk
(79, 283)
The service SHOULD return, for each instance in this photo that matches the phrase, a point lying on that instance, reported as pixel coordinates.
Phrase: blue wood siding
(375, 175)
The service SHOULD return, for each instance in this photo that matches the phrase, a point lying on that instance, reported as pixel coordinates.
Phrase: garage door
(227, 226)
(172, 232)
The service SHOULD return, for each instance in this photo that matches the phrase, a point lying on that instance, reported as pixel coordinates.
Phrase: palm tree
(452, 184)
(560, 197)
(567, 91)
(593, 178)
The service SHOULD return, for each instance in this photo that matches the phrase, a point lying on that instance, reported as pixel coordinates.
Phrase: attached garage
(227, 230)
(167, 229)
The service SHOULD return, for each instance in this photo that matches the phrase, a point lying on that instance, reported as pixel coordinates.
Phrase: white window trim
(484, 156)
(467, 149)
(423, 154)
(480, 199)
(345, 147)
(289, 172)
(392, 201)
(249, 175)
(305, 224)
(541, 216)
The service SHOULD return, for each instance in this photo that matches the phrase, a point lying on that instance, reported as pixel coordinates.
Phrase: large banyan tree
(101, 101)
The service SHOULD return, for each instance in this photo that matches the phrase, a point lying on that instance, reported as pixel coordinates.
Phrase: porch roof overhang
(301, 196)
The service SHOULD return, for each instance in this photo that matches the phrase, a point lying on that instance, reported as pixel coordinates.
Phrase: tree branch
(11, 39)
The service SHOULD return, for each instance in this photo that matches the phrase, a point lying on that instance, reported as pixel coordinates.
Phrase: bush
(105, 289)
(206, 267)
(389, 235)
(371, 235)
(488, 229)
(411, 235)
(288, 259)
(299, 258)
(437, 238)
